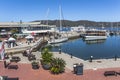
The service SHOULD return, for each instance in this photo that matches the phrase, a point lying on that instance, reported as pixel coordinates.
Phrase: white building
(78, 29)
(28, 27)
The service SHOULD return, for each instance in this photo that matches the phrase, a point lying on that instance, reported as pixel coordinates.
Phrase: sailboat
(61, 38)
(111, 33)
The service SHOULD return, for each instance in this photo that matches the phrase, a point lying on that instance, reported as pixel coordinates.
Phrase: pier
(23, 47)
(95, 64)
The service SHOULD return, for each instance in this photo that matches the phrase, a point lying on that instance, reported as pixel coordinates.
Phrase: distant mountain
(86, 23)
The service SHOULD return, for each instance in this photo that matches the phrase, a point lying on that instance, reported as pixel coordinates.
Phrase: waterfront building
(78, 29)
(27, 27)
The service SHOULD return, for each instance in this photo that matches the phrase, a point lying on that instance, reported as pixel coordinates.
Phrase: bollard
(71, 55)
(115, 57)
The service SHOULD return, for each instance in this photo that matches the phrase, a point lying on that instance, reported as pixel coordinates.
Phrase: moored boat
(59, 40)
(95, 34)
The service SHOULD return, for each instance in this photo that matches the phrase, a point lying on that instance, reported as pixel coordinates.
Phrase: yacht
(60, 38)
(95, 34)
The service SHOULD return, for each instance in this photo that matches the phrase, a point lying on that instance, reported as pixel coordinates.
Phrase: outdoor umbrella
(11, 39)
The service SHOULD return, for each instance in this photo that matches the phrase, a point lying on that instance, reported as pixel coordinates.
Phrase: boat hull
(94, 37)
(54, 41)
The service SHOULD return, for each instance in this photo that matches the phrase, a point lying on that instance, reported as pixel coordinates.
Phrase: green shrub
(57, 65)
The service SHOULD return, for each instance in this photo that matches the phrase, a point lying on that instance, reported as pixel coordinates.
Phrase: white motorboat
(95, 34)
(59, 40)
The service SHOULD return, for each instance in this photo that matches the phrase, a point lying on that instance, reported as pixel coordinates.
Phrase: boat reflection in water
(94, 41)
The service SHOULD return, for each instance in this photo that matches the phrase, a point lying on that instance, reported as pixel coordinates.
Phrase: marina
(99, 49)
(60, 40)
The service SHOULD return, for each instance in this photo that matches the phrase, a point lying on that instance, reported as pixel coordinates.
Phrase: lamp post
(115, 57)
(71, 55)
(60, 50)
(91, 58)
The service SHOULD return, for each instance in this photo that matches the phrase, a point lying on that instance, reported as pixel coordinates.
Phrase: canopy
(29, 37)
(11, 39)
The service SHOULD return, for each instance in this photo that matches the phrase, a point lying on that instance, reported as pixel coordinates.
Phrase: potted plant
(57, 65)
(46, 59)
(35, 65)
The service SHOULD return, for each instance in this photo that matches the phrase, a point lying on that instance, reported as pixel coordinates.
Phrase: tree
(46, 58)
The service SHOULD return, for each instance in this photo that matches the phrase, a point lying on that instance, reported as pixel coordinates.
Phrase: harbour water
(99, 49)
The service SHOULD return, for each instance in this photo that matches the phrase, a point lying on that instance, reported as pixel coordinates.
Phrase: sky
(30, 10)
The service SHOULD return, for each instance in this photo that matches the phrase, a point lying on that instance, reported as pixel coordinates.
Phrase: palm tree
(57, 65)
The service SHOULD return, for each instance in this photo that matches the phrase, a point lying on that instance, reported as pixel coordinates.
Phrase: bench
(13, 67)
(118, 73)
(15, 59)
(13, 78)
(110, 73)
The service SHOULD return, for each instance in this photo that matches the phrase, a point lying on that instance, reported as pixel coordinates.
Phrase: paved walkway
(25, 72)
(92, 71)
(95, 64)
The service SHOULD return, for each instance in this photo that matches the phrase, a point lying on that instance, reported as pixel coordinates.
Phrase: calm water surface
(98, 49)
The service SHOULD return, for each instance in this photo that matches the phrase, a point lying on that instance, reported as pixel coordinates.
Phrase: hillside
(86, 23)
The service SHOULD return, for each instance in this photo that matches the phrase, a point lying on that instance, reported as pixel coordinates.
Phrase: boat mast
(47, 15)
(60, 18)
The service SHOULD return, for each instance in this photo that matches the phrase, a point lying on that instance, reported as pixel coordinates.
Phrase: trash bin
(79, 69)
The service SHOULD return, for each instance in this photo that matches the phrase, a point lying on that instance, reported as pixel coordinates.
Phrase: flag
(2, 51)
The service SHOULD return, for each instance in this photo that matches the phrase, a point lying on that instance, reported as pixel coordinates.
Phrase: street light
(91, 58)
(60, 50)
